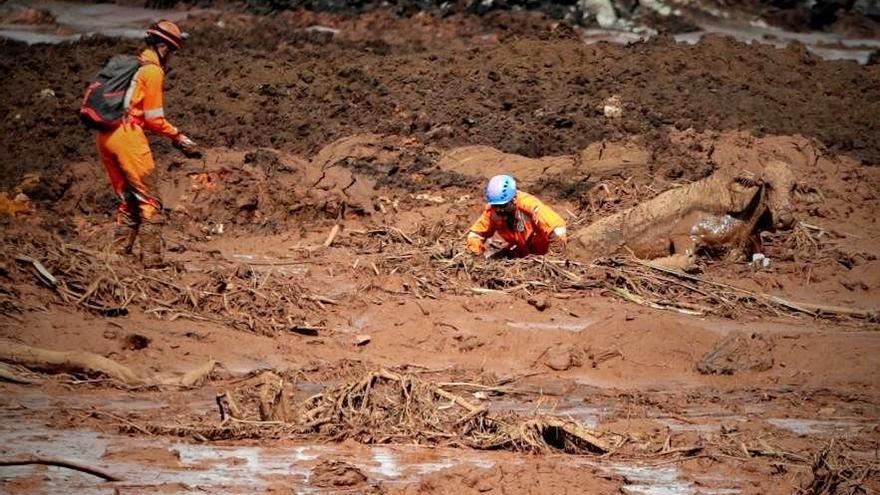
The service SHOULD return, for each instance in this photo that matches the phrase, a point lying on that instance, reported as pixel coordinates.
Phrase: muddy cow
(721, 214)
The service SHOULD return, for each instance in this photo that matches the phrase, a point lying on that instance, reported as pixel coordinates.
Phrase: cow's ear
(806, 193)
(743, 183)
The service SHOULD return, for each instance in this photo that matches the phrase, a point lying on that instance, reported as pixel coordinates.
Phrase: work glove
(476, 244)
(187, 146)
(558, 241)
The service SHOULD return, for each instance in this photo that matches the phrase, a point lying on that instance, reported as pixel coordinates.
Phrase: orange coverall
(125, 151)
(534, 225)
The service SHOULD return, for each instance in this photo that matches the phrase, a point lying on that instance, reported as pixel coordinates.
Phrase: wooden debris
(10, 374)
(87, 363)
(332, 235)
(383, 403)
(306, 330)
(61, 463)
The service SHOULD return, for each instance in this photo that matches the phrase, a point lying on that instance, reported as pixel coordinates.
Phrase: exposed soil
(385, 359)
(527, 95)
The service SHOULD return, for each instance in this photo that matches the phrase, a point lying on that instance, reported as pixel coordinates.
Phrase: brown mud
(726, 379)
(531, 91)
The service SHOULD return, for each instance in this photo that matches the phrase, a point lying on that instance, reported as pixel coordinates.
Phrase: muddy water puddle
(73, 20)
(828, 46)
(813, 427)
(146, 463)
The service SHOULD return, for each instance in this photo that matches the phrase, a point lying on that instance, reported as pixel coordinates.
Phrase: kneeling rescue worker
(125, 151)
(528, 225)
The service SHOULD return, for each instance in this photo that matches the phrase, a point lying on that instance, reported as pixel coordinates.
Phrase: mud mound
(737, 353)
(257, 191)
(331, 473)
(260, 191)
(394, 161)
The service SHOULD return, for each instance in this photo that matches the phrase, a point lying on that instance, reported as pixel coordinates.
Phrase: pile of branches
(227, 293)
(388, 407)
(834, 472)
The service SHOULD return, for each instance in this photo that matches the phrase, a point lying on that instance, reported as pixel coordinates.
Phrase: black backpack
(103, 106)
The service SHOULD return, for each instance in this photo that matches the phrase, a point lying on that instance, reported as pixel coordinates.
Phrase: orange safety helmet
(168, 32)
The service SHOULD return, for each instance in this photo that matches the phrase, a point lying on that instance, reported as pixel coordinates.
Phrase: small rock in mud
(613, 107)
(736, 353)
(136, 342)
(332, 473)
(561, 358)
(540, 303)
(248, 202)
(194, 335)
(44, 189)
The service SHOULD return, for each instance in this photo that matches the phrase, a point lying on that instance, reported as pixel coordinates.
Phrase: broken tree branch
(61, 463)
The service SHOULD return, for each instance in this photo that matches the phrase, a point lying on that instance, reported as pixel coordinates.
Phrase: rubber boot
(124, 236)
(151, 245)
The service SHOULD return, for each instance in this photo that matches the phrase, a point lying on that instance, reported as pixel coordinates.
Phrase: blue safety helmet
(500, 190)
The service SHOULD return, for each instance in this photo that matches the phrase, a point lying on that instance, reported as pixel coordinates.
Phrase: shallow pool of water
(73, 20)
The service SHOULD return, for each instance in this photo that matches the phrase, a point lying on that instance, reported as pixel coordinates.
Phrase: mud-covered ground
(509, 81)
(388, 129)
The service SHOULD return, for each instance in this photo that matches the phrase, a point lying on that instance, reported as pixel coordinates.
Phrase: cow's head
(780, 182)
(742, 188)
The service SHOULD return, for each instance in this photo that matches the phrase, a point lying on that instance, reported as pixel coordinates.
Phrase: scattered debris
(833, 472)
(760, 262)
(384, 404)
(613, 107)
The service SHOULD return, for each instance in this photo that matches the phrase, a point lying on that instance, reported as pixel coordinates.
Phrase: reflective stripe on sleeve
(473, 234)
(154, 113)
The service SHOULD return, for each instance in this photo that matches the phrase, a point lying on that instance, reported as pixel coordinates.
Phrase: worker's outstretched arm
(152, 77)
(481, 230)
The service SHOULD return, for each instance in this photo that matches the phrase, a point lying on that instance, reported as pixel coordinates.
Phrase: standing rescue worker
(528, 225)
(125, 151)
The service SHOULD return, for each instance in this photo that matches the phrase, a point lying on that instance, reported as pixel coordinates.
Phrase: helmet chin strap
(163, 51)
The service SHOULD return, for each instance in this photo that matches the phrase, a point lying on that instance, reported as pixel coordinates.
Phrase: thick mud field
(522, 84)
(321, 328)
